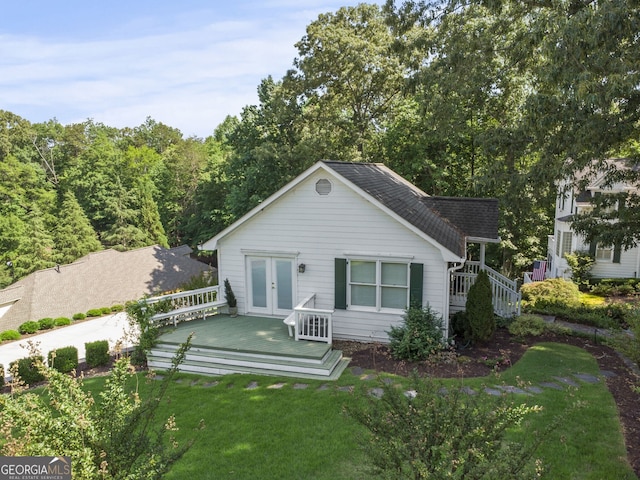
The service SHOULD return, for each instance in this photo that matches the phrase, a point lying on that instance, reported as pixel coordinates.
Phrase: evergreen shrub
(94, 312)
(527, 325)
(9, 335)
(551, 292)
(117, 308)
(479, 309)
(63, 359)
(28, 327)
(46, 323)
(62, 321)
(1, 376)
(27, 370)
(105, 310)
(79, 316)
(97, 353)
(419, 336)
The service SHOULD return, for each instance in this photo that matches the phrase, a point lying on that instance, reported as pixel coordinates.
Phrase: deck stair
(222, 362)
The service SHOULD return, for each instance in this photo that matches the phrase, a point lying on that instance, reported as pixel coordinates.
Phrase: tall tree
(73, 234)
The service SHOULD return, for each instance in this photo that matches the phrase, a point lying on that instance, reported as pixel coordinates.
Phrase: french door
(271, 282)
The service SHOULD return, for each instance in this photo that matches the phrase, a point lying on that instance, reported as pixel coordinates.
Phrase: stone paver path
(565, 383)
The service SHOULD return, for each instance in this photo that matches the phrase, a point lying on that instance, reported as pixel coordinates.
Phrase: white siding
(319, 229)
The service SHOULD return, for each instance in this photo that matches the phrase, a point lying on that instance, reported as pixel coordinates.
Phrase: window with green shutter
(377, 284)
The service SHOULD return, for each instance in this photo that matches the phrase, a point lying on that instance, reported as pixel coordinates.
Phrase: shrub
(460, 326)
(117, 308)
(580, 264)
(419, 337)
(46, 323)
(94, 312)
(27, 370)
(1, 376)
(105, 310)
(527, 325)
(140, 313)
(28, 327)
(550, 292)
(479, 308)
(79, 316)
(97, 353)
(436, 432)
(9, 335)
(62, 321)
(63, 359)
(628, 343)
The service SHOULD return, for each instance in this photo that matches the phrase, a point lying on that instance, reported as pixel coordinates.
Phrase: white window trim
(378, 285)
(606, 260)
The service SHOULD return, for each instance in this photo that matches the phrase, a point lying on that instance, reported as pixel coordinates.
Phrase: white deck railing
(311, 323)
(186, 305)
(506, 297)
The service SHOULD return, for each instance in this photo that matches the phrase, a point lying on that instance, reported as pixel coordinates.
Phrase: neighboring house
(360, 240)
(100, 279)
(611, 262)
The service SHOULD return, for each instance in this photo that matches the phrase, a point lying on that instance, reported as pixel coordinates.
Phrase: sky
(187, 63)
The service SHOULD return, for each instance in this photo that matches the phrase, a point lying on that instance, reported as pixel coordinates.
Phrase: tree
(479, 309)
(434, 432)
(74, 237)
(114, 436)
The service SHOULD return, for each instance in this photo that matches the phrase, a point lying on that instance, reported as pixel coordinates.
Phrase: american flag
(539, 268)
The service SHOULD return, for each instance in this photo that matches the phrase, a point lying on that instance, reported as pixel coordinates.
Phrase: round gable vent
(323, 186)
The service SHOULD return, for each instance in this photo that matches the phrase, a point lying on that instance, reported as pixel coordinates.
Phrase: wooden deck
(245, 344)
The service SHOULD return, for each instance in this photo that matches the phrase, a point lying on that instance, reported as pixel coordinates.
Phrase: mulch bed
(502, 352)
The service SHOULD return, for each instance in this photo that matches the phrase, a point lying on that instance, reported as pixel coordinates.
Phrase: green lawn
(292, 433)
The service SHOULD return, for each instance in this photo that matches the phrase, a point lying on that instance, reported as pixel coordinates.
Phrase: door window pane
(284, 284)
(259, 283)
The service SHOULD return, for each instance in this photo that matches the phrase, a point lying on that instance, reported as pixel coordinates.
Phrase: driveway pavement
(110, 327)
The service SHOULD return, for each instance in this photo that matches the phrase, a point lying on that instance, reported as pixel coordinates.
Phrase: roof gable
(447, 221)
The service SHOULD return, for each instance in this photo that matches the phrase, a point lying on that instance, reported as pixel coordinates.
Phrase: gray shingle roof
(447, 220)
(100, 279)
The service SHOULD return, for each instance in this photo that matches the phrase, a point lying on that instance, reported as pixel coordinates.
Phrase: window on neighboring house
(565, 245)
(378, 284)
(603, 253)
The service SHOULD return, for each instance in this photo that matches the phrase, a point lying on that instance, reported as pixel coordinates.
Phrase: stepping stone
(252, 386)
(608, 374)
(346, 388)
(511, 389)
(158, 377)
(586, 377)
(534, 389)
(376, 392)
(230, 385)
(411, 394)
(567, 381)
(493, 391)
(552, 385)
(323, 387)
(194, 383)
(179, 380)
(468, 390)
(300, 386)
(387, 381)
(210, 384)
(357, 371)
(443, 391)
(277, 386)
(368, 377)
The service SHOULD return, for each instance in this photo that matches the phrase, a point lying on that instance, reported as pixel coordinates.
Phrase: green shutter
(592, 248)
(616, 253)
(340, 292)
(416, 275)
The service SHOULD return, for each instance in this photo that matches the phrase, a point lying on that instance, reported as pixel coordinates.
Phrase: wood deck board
(243, 333)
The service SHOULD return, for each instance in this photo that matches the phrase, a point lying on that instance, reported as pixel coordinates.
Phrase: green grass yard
(254, 430)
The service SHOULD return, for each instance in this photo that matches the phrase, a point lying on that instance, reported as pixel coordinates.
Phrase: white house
(353, 239)
(611, 262)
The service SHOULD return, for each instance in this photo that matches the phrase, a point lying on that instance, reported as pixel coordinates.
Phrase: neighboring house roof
(100, 279)
(448, 221)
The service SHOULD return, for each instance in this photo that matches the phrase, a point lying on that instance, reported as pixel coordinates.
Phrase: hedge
(94, 312)
(46, 323)
(29, 327)
(62, 321)
(63, 359)
(9, 335)
(79, 316)
(97, 353)
(27, 371)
